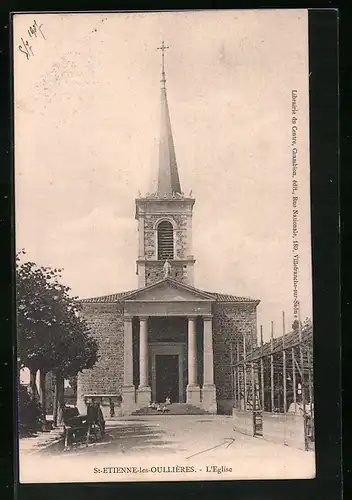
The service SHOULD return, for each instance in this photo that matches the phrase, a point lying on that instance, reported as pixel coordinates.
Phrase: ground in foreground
(169, 448)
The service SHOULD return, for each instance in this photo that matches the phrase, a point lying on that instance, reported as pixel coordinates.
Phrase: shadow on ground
(132, 438)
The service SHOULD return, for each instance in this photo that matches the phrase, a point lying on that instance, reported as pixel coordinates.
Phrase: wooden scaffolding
(276, 377)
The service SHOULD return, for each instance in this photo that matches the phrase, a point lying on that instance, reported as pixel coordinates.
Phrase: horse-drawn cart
(82, 428)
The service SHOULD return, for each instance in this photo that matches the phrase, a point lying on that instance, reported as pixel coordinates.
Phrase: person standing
(112, 407)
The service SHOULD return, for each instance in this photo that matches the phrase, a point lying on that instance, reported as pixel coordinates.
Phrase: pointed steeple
(168, 179)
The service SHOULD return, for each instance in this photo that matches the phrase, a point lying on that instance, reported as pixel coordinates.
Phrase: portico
(168, 328)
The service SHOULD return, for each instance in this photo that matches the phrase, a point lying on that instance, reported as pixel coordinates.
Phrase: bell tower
(165, 216)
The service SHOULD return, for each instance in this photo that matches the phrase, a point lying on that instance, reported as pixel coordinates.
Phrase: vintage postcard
(163, 269)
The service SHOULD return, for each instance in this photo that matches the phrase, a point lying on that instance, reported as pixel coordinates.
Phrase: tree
(77, 351)
(36, 298)
(51, 334)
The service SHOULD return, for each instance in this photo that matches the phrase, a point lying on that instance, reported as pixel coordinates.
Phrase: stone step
(173, 409)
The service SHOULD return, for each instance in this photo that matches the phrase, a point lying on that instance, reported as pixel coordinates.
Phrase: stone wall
(106, 323)
(231, 321)
(167, 329)
(154, 271)
(149, 236)
(181, 235)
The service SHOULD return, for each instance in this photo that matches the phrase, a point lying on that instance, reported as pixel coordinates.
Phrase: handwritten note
(34, 31)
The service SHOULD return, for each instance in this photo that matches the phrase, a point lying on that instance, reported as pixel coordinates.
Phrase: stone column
(209, 389)
(128, 389)
(192, 352)
(193, 390)
(144, 390)
(143, 352)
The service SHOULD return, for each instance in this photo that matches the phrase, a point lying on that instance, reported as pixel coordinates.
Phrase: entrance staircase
(174, 409)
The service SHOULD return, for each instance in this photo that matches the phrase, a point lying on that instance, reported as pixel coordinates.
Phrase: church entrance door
(167, 377)
(167, 367)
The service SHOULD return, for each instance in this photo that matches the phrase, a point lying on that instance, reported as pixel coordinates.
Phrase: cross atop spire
(163, 48)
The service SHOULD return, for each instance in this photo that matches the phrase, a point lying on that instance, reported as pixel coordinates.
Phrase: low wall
(294, 431)
(243, 421)
(225, 406)
(105, 408)
(104, 400)
(284, 429)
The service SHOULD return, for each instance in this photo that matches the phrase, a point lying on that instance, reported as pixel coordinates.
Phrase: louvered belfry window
(165, 241)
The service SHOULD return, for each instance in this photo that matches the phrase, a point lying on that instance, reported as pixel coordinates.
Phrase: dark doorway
(167, 378)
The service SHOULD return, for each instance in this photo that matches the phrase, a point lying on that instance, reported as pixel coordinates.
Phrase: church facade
(166, 338)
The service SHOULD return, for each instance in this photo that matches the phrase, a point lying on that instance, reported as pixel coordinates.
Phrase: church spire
(168, 179)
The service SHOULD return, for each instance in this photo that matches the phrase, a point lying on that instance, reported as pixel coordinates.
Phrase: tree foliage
(51, 333)
(29, 413)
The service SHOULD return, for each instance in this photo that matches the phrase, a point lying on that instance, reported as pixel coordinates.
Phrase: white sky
(86, 127)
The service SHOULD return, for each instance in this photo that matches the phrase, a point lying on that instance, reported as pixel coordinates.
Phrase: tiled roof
(115, 297)
(223, 297)
(291, 340)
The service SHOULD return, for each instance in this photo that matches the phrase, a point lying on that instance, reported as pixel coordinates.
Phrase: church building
(166, 338)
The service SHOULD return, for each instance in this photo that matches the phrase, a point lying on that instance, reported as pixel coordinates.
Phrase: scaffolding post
(284, 361)
(238, 376)
(310, 366)
(252, 376)
(234, 381)
(244, 372)
(294, 379)
(310, 378)
(262, 366)
(302, 378)
(272, 367)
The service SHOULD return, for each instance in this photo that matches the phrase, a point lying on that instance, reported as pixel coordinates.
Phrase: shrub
(30, 413)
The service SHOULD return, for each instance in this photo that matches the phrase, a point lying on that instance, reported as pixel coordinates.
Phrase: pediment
(169, 291)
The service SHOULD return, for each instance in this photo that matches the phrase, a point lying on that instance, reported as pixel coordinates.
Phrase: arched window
(165, 240)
